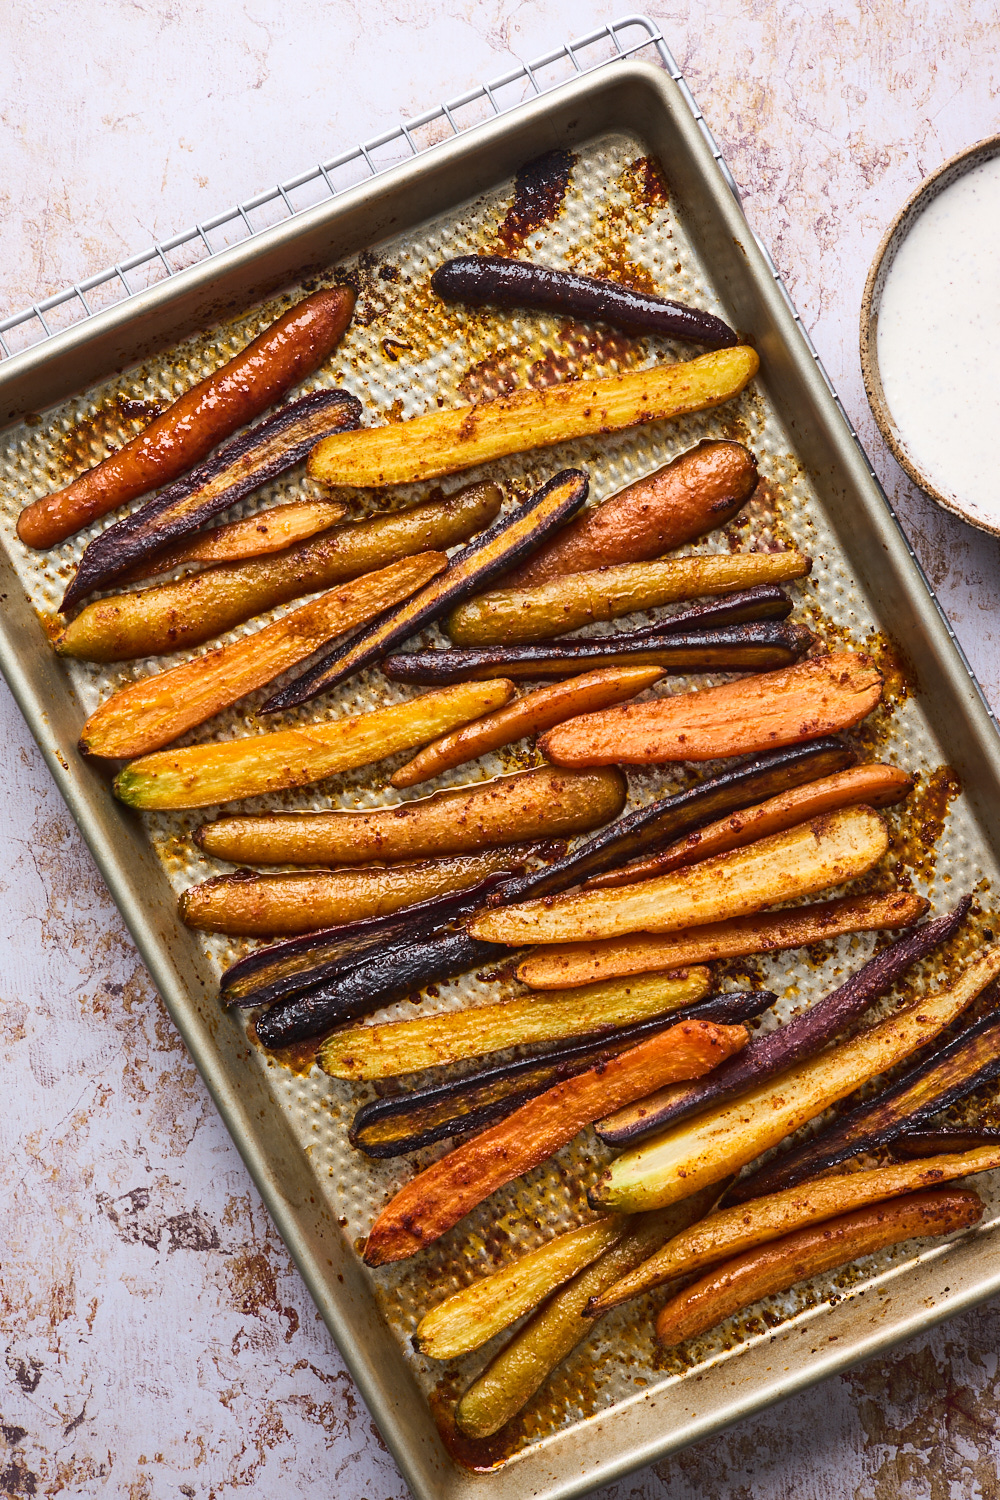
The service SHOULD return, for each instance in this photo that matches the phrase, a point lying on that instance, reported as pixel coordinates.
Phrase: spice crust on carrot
(439, 1197)
(801, 702)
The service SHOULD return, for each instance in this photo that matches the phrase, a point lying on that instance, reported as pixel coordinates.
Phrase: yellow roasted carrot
(723, 1139)
(555, 1330)
(876, 786)
(155, 710)
(528, 715)
(470, 1317)
(587, 963)
(430, 1041)
(731, 1231)
(203, 774)
(443, 442)
(578, 599)
(824, 852)
(251, 905)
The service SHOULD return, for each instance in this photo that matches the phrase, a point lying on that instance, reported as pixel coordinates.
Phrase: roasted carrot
(258, 456)
(443, 442)
(814, 697)
(508, 615)
(695, 493)
(470, 1317)
(586, 963)
(526, 1361)
(876, 786)
(436, 1199)
(528, 715)
(510, 538)
(232, 769)
(543, 803)
(365, 1052)
(285, 353)
(824, 852)
(155, 710)
(733, 1231)
(721, 1140)
(270, 530)
(189, 610)
(775, 1267)
(251, 905)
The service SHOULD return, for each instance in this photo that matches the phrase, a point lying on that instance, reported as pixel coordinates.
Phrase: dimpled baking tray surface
(622, 183)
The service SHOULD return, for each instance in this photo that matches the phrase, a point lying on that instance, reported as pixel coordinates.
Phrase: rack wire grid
(630, 36)
(627, 37)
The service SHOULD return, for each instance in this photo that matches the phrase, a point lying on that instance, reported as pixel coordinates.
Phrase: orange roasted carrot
(815, 697)
(700, 490)
(776, 1266)
(647, 953)
(876, 786)
(156, 710)
(528, 715)
(285, 353)
(432, 1202)
(255, 536)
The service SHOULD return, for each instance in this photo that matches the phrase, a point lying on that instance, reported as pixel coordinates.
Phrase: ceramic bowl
(887, 251)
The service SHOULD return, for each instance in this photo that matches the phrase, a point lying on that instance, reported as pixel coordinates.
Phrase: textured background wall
(156, 1340)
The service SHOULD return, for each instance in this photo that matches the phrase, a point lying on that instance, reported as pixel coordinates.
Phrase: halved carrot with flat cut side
(431, 1203)
(824, 852)
(229, 770)
(770, 932)
(155, 710)
(875, 786)
(797, 703)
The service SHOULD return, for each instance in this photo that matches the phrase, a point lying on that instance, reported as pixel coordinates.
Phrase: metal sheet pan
(611, 1409)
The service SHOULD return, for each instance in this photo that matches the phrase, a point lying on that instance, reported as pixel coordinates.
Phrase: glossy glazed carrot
(292, 348)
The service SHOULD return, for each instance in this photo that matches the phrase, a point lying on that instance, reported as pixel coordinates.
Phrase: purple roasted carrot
(792, 1043)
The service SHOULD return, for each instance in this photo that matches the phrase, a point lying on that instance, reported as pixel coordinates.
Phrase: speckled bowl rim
(930, 188)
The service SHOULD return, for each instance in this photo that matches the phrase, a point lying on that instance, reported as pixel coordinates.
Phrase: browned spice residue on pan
(478, 1455)
(923, 821)
(895, 669)
(602, 344)
(637, 197)
(90, 439)
(495, 376)
(645, 183)
(539, 189)
(297, 1058)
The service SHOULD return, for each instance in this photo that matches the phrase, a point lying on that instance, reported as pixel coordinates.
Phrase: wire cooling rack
(630, 36)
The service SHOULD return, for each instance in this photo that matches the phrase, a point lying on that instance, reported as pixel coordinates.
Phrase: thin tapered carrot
(528, 715)
(648, 953)
(267, 531)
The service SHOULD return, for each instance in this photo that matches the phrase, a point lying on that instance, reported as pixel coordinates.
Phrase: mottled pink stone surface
(155, 1340)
